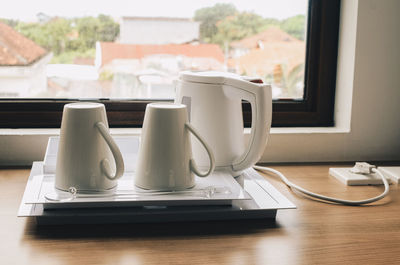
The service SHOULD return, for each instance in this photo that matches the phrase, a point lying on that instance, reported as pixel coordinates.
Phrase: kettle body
(214, 103)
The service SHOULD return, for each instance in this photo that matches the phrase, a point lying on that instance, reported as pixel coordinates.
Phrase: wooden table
(315, 233)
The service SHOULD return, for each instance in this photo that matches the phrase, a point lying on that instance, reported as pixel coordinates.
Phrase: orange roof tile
(272, 34)
(16, 49)
(112, 50)
(262, 61)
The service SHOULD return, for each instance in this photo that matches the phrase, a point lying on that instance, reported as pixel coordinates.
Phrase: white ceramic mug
(165, 154)
(88, 158)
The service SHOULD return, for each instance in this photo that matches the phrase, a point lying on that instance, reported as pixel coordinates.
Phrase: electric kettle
(214, 103)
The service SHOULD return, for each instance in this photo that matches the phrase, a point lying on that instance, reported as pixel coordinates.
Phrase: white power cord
(359, 168)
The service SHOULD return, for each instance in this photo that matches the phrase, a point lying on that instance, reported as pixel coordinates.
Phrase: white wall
(14, 86)
(367, 111)
(152, 31)
(24, 81)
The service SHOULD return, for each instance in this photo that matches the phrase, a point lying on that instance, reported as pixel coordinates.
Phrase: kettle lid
(215, 77)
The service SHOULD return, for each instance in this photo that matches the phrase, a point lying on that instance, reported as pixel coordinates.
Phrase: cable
(293, 186)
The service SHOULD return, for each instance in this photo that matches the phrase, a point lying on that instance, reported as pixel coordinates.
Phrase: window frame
(315, 109)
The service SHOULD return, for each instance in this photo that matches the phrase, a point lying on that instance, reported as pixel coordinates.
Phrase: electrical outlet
(351, 179)
(393, 173)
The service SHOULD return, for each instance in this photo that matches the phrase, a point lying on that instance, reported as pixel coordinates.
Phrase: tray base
(264, 203)
(143, 215)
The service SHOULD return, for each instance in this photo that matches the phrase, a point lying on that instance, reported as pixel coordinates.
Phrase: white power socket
(353, 179)
(391, 172)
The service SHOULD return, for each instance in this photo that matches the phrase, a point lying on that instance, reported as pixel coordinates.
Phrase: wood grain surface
(315, 233)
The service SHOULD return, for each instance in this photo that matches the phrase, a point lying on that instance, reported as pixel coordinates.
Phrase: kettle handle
(260, 98)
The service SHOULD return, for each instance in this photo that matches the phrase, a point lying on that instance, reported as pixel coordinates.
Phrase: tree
(92, 29)
(109, 29)
(88, 28)
(70, 36)
(295, 26)
(11, 22)
(57, 34)
(52, 35)
(208, 18)
(223, 23)
(237, 27)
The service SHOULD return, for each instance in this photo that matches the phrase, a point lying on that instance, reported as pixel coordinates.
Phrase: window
(309, 104)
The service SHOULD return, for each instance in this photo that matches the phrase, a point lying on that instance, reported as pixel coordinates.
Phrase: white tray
(264, 203)
(41, 185)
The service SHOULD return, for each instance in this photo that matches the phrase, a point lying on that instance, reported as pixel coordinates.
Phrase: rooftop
(16, 49)
(272, 34)
(158, 18)
(111, 51)
(262, 61)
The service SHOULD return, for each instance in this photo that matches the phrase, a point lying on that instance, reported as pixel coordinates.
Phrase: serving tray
(41, 186)
(264, 202)
(251, 197)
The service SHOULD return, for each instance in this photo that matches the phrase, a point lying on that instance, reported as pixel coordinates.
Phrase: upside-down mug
(88, 158)
(165, 159)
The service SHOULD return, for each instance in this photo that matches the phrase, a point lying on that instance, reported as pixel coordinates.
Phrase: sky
(27, 9)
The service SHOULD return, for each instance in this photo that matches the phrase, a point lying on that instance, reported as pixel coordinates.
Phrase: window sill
(137, 131)
(23, 146)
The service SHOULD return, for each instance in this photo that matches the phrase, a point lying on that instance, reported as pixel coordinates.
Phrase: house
(263, 61)
(273, 55)
(260, 53)
(188, 56)
(272, 34)
(158, 30)
(22, 65)
(148, 71)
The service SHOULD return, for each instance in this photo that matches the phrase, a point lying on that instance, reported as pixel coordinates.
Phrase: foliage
(289, 80)
(106, 76)
(62, 35)
(92, 29)
(295, 26)
(52, 36)
(237, 27)
(293, 78)
(11, 22)
(222, 24)
(69, 56)
(272, 22)
(208, 18)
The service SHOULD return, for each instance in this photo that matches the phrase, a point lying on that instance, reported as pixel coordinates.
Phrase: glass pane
(127, 49)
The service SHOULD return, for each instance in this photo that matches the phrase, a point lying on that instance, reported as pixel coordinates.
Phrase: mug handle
(105, 163)
(193, 166)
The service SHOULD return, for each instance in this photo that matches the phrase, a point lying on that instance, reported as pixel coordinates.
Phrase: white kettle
(214, 102)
